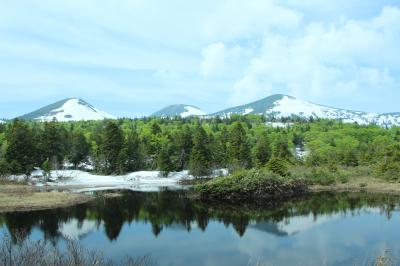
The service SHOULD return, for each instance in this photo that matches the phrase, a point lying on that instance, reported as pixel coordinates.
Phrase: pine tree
(132, 154)
(80, 149)
(200, 158)
(281, 147)
(262, 149)
(184, 144)
(238, 148)
(21, 149)
(51, 144)
(164, 160)
(112, 142)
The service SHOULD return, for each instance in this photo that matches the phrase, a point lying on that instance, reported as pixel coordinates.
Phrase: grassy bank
(16, 197)
(255, 184)
(352, 179)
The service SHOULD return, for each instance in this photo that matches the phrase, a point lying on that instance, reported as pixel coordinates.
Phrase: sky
(133, 57)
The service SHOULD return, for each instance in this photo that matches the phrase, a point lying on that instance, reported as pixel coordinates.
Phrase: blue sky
(132, 57)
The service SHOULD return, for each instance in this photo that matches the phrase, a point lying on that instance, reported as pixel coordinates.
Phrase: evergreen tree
(52, 145)
(238, 148)
(112, 142)
(164, 160)
(21, 149)
(281, 147)
(200, 158)
(184, 144)
(262, 149)
(80, 149)
(131, 155)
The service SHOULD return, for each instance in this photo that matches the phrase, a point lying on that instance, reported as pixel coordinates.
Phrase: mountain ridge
(69, 109)
(182, 110)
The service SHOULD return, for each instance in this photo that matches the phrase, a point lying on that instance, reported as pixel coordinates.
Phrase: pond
(320, 229)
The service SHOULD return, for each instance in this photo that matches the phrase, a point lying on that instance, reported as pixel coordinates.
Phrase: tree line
(200, 145)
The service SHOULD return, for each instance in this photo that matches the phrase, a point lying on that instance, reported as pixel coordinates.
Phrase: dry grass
(367, 184)
(24, 198)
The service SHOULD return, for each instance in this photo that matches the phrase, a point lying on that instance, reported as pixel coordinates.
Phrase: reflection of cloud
(331, 240)
(73, 229)
(299, 224)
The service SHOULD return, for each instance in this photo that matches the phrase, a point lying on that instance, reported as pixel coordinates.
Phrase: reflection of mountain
(75, 229)
(268, 227)
(293, 225)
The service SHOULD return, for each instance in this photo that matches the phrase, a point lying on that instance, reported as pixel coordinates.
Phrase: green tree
(238, 148)
(132, 154)
(52, 144)
(164, 159)
(21, 149)
(200, 158)
(262, 149)
(112, 142)
(79, 150)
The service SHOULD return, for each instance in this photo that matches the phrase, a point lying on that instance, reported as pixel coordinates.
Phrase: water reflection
(175, 211)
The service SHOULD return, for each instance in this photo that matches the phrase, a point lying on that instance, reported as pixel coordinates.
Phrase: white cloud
(327, 60)
(222, 61)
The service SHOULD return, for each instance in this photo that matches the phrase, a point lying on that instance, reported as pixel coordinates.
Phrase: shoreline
(21, 198)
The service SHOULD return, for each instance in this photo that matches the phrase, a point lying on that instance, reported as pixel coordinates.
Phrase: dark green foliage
(238, 149)
(21, 151)
(164, 160)
(262, 151)
(278, 166)
(80, 149)
(112, 142)
(200, 159)
(52, 144)
(256, 184)
(131, 156)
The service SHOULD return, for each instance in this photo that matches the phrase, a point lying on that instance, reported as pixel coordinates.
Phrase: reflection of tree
(113, 219)
(175, 210)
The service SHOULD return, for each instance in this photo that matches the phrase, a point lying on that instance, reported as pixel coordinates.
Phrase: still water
(322, 229)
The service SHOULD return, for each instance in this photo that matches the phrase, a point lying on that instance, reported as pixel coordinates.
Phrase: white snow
(137, 181)
(248, 111)
(192, 111)
(288, 106)
(279, 124)
(73, 110)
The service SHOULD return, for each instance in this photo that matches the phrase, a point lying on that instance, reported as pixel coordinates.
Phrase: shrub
(321, 176)
(251, 185)
(388, 170)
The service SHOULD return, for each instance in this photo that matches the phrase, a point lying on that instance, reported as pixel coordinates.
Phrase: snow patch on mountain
(192, 111)
(68, 110)
(182, 110)
(284, 106)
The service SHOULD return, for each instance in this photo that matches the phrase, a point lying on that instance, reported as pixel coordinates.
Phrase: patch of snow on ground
(137, 181)
(73, 110)
(192, 111)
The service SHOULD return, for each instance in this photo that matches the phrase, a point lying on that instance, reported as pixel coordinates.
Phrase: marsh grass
(17, 252)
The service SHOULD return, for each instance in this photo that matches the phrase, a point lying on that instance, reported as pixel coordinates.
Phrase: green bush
(251, 185)
(388, 170)
(321, 176)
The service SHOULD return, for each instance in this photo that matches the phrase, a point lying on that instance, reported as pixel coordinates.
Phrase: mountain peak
(182, 110)
(70, 109)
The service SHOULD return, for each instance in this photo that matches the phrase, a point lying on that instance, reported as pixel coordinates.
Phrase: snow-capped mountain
(72, 109)
(182, 110)
(280, 106)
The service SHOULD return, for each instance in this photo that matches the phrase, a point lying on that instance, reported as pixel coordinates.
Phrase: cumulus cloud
(327, 59)
(222, 61)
